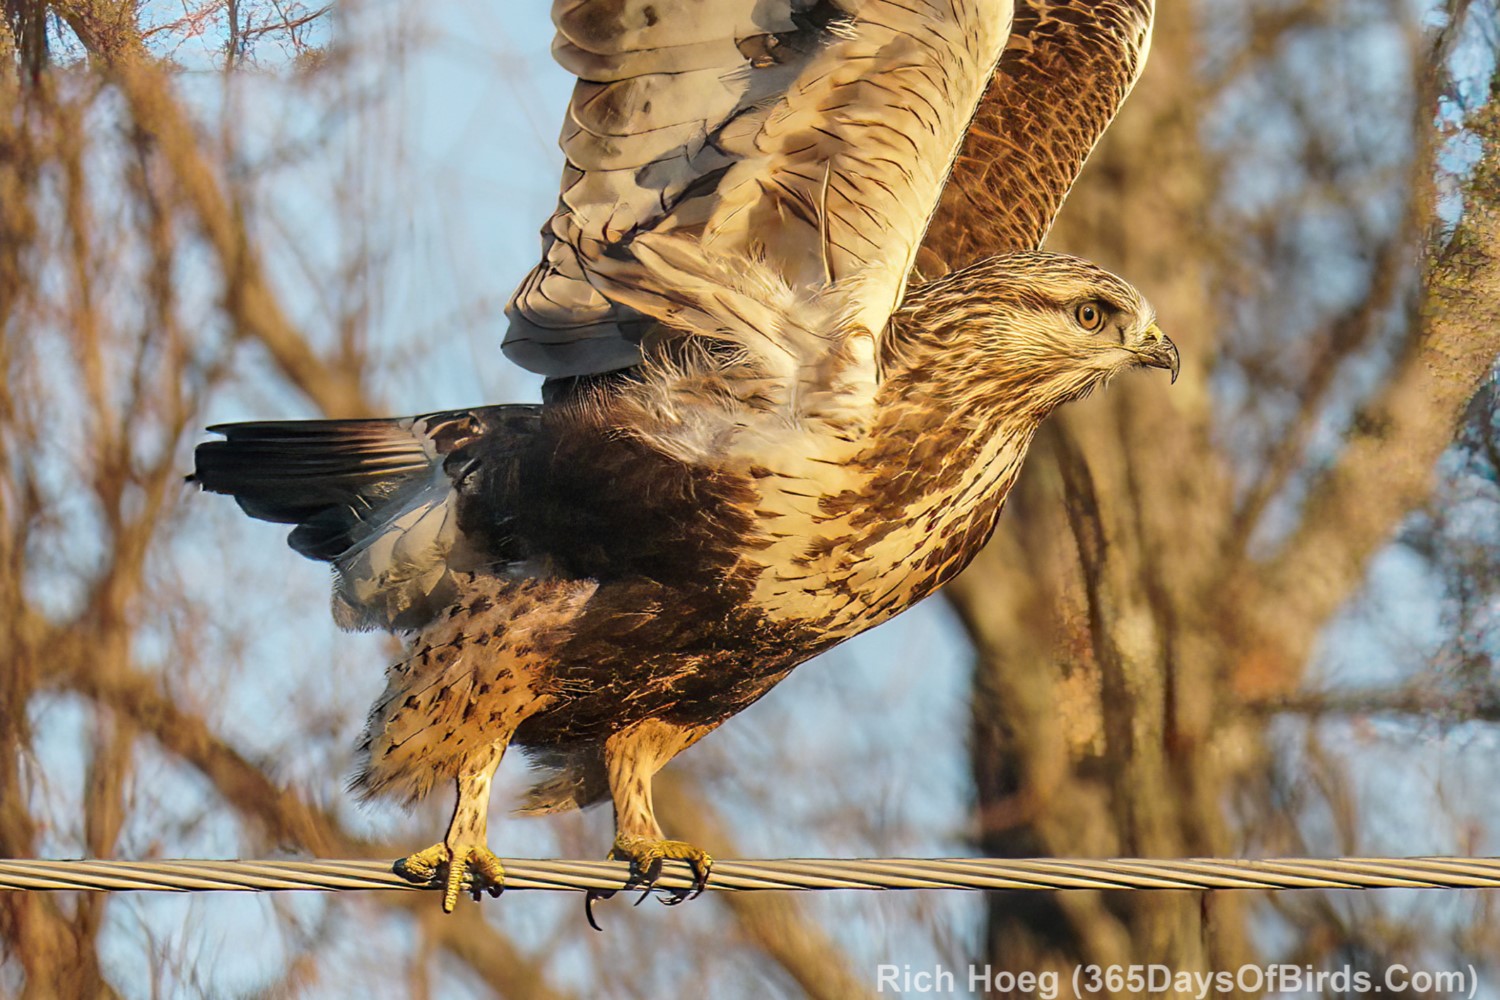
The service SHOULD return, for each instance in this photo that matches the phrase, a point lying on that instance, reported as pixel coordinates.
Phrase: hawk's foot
(484, 871)
(646, 855)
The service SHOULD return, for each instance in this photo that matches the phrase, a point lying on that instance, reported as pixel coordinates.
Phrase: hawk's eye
(1090, 316)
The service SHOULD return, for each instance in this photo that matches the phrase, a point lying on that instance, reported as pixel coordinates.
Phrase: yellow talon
(475, 866)
(423, 866)
(646, 855)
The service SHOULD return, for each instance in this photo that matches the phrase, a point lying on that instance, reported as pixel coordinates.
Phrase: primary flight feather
(760, 434)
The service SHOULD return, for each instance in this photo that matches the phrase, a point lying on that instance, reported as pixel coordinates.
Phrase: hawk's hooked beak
(1156, 351)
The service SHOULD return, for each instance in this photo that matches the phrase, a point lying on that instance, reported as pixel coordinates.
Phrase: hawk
(760, 434)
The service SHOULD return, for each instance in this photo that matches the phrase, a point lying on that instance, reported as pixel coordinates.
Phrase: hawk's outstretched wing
(1064, 73)
(816, 135)
(813, 135)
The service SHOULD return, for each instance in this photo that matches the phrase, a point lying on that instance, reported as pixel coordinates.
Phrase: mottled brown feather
(1067, 67)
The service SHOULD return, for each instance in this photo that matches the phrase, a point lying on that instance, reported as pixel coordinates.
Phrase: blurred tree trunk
(1102, 754)
(1121, 624)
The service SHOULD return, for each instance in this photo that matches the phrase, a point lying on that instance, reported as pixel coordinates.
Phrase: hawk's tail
(324, 476)
(377, 498)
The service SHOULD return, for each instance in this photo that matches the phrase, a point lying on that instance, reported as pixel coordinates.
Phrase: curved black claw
(588, 905)
(701, 870)
(643, 878)
(646, 856)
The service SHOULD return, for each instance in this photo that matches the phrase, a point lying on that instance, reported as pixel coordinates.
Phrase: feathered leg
(465, 851)
(632, 757)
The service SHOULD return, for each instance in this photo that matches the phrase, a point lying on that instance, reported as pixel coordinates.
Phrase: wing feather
(1068, 66)
(811, 137)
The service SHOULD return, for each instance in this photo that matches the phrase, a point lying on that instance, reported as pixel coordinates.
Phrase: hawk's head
(1031, 329)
